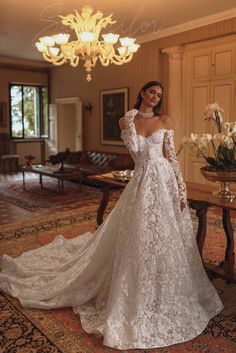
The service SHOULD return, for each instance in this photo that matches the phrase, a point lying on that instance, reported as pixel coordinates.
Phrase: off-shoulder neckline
(153, 133)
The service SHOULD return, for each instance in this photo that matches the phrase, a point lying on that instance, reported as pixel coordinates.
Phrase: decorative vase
(225, 178)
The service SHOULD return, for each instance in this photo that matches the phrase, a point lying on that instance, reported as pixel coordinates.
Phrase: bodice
(152, 145)
(148, 151)
(143, 149)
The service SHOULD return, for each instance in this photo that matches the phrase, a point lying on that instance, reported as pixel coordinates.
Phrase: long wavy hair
(157, 108)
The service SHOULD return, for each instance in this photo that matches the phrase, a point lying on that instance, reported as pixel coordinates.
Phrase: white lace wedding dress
(139, 280)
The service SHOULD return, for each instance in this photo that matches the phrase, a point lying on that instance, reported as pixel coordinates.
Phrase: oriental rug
(33, 198)
(59, 331)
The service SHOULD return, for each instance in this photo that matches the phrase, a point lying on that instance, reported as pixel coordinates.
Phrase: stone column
(175, 95)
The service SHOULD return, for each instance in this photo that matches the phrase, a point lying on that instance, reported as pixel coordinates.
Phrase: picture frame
(3, 114)
(113, 106)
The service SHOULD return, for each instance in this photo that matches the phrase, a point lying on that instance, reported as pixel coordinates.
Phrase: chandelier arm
(64, 49)
(54, 59)
(106, 52)
(105, 21)
(78, 17)
(77, 33)
(71, 20)
(47, 58)
(74, 61)
(118, 60)
(102, 24)
(104, 61)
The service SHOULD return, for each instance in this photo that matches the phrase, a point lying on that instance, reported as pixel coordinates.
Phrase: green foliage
(211, 161)
(28, 118)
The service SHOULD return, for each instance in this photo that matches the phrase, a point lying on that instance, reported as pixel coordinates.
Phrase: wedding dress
(139, 280)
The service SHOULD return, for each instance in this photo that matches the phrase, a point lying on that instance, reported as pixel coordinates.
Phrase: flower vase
(225, 178)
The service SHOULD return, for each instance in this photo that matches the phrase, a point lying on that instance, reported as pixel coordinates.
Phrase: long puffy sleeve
(171, 156)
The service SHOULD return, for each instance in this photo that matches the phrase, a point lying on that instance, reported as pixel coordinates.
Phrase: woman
(139, 280)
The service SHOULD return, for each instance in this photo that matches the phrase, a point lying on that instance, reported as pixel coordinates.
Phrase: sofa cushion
(100, 158)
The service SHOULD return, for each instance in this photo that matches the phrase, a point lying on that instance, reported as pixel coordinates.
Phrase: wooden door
(211, 77)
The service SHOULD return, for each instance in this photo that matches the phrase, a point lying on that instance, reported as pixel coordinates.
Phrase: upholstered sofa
(97, 162)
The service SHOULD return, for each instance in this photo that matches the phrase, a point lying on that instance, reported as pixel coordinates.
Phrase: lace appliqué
(171, 155)
(129, 134)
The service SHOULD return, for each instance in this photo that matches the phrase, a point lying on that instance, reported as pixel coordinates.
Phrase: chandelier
(87, 46)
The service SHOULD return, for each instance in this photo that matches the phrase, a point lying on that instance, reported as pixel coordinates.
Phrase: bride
(138, 280)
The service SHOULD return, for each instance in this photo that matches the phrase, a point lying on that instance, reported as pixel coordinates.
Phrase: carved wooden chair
(8, 162)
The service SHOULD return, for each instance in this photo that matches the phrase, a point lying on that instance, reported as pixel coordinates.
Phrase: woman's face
(151, 96)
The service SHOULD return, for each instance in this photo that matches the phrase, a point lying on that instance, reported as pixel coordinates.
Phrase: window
(28, 111)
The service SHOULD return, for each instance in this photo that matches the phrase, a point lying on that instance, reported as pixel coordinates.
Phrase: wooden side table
(200, 199)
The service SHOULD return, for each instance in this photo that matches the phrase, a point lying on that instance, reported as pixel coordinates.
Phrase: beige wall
(148, 64)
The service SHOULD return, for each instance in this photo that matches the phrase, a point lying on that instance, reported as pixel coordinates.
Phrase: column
(175, 95)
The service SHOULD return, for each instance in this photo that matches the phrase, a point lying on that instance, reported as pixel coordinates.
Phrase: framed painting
(113, 106)
(3, 114)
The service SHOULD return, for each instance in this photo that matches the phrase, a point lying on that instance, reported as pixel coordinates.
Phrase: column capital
(175, 53)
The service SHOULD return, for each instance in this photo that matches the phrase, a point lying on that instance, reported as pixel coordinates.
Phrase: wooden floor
(10, 213)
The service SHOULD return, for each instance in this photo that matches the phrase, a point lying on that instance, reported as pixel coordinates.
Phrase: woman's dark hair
(157, 108)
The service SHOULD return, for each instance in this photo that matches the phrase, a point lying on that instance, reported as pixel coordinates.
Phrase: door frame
(53, 121)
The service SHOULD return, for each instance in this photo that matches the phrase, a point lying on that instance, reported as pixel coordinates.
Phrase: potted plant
(218, 149)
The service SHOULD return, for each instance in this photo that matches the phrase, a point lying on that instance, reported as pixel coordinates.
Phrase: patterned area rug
(59, 331)
(33, 198)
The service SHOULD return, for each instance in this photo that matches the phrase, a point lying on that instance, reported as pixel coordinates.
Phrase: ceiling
(22, 22)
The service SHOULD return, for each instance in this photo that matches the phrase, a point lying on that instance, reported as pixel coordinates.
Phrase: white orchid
(217, 137)
(207, 137)
(223, 143)
(186, 139)
(233, 127)
(212, 110)
(233, 136)
(229, 127)
(194, 138)
(227, 141)
(204, 140)
(226, 127)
